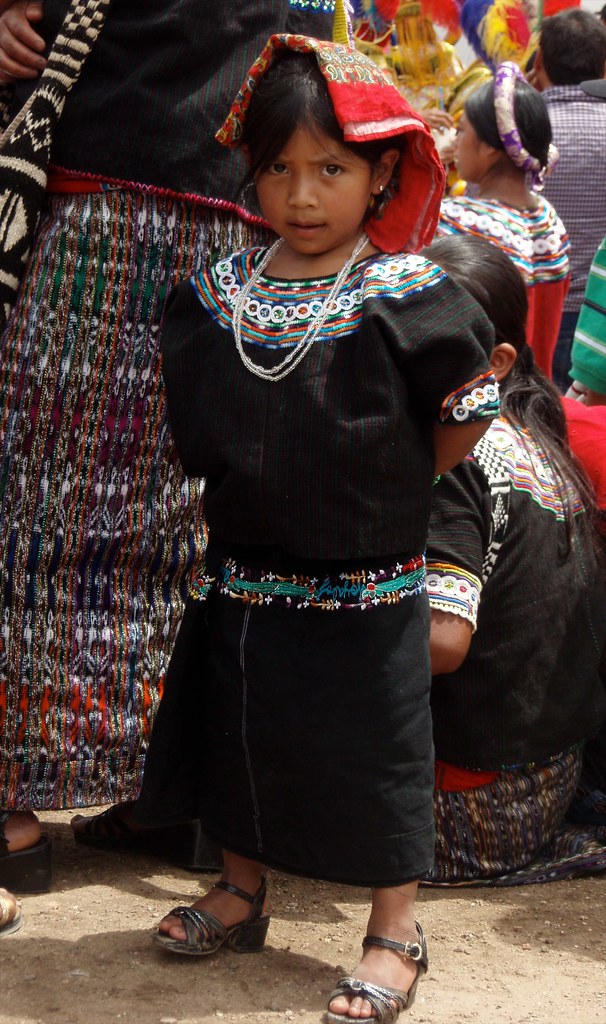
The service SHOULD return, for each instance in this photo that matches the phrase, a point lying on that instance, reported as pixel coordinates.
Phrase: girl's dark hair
(527, 396)
(531, 115)
(293, 94)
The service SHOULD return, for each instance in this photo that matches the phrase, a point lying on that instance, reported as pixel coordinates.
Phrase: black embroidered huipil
(498, 557)
(336, 460)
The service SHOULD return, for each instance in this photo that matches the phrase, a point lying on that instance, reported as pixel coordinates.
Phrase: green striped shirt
(589, 346)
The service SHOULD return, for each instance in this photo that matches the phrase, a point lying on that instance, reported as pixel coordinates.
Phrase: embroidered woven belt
(360, 589)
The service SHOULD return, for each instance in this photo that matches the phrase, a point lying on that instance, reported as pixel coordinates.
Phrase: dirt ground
(532, 955)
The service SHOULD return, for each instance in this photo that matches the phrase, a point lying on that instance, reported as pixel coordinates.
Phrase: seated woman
(504, 135)
(517, 595)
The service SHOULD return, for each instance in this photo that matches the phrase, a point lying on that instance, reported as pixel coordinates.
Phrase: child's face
(316, 193)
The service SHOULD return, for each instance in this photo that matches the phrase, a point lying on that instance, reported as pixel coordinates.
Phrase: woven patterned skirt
(99, 529)
(513, 831)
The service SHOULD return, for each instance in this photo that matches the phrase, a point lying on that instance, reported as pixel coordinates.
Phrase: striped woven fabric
(99, 529)
(513, 831)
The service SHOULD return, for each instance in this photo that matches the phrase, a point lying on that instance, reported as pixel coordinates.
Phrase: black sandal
(24, 871)
(388, 1002)
(206, 934)
(184, 844)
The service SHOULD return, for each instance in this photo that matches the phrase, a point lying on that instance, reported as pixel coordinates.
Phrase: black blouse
(336, 460)
(498, 556)
(159, 83)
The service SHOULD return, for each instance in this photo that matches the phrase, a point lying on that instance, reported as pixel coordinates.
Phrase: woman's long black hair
(528, 397)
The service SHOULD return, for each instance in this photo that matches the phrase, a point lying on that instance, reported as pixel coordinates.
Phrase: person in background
(572, 49)
(517, 594)
(99, 528)
(588, 356)
(503, 140)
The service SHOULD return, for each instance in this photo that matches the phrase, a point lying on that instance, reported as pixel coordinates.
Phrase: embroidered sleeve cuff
(452, 589)
(479, 399)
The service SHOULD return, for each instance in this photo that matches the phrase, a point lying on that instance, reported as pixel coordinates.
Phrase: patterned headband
(506, 76)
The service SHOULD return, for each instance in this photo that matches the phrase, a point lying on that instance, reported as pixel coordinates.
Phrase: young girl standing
(318, 386)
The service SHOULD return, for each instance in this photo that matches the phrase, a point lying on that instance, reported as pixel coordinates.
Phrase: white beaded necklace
(297, 353)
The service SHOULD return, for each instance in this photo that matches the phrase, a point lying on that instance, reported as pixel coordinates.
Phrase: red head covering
(367, 106)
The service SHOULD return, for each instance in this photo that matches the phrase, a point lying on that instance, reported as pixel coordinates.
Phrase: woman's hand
(438, 119)
(21, 48)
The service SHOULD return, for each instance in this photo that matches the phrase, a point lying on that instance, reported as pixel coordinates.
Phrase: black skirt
(296, 721)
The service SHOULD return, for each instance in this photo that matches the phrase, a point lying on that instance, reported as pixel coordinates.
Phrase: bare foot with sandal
(395, 957)
(232, 913)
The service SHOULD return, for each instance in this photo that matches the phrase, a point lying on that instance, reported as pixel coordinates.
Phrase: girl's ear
(383, 170)
(502, 359)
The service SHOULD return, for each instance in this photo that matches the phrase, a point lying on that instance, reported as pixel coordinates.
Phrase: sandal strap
(416, 951)
(255, 901)
(388, 1002)
(200, 926)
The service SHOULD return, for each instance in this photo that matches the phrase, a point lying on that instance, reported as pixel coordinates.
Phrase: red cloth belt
(451, 779)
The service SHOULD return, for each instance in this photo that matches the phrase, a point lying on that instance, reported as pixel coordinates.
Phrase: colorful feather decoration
(446, 13)
(553, 6)
(505, 32)
(472, 14)
(498, 30)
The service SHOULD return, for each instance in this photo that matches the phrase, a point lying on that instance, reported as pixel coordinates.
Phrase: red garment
(587, 436)
(545, 305)
(57, 181)
(367, 106)
(452, 779)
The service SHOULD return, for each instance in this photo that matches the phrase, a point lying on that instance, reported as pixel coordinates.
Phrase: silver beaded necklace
(300, 350)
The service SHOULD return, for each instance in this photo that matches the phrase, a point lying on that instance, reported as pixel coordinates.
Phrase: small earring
(381, 187)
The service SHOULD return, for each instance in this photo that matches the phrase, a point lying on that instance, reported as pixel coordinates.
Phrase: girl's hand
(21, 48)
